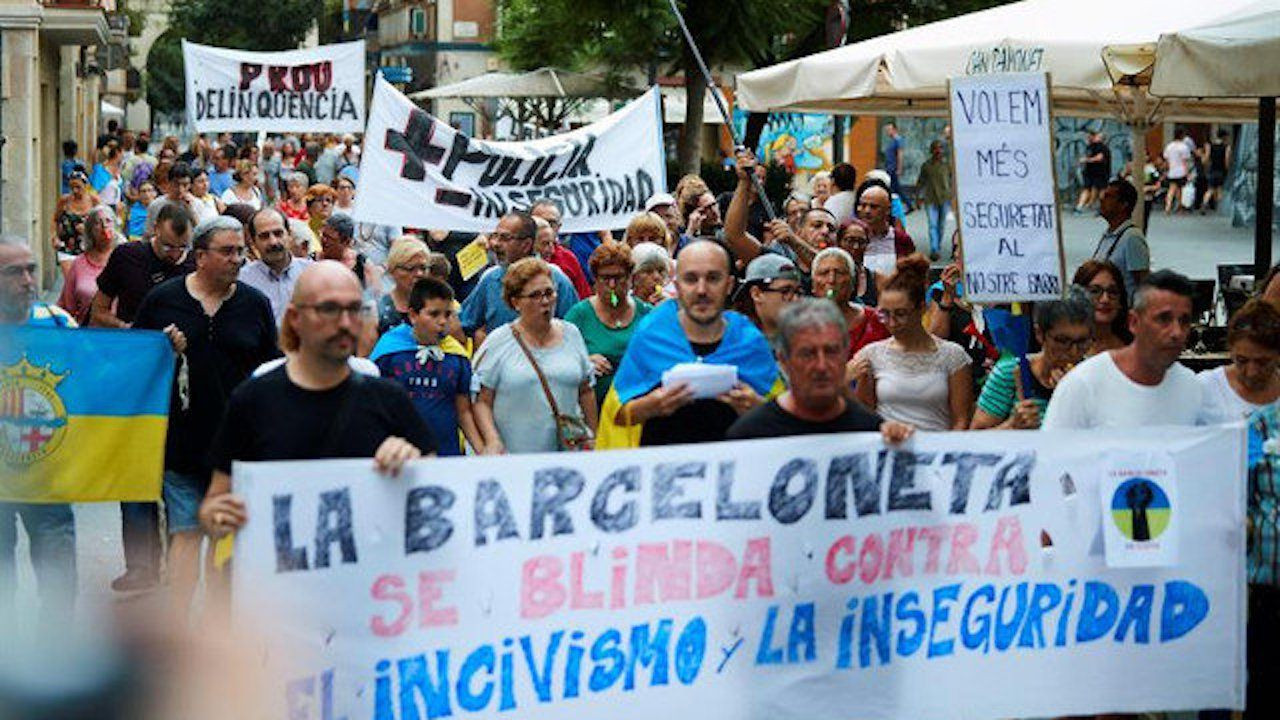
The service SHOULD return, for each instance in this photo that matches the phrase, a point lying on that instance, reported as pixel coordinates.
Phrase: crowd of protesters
(303, 333)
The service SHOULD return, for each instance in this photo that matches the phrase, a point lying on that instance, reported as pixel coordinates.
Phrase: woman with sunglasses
(512, 409)
(1064, 329)
(1104, 283)
(913, 377)
(833, 271)
(1252, 379)
(608, 317)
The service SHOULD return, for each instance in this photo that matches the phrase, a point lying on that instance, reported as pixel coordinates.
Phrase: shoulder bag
(572, 432)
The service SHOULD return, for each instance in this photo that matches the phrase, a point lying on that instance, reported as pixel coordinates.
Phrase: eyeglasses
(787, 293)
(230, 251)
(898, 315)
(326, 200)
(545, 294)
(1097, 291)
(333, 310)
(18, 270)
(1081, 343)
(611, 279)
(413, 269)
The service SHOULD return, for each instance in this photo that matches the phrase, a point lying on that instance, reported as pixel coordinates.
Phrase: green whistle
(613, 298)
(831, 293)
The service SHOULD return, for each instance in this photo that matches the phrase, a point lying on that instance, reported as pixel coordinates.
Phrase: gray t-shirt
(1125, 246)
(520, 408)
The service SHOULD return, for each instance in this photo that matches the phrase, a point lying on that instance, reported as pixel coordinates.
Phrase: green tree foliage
(643, 34)
(270, 25)
(166, 92)
(872, 18)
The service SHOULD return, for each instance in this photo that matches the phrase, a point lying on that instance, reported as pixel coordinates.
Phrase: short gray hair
(833, 252)
(207, 229)
(1075, 309)
(342, 224)
(807, 314)
(650, 256)
(86, 237)
(299, 178)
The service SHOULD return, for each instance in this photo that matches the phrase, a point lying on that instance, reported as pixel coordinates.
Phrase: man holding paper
(689, 405)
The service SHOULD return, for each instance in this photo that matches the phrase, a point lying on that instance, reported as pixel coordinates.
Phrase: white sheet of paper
(1140, 511)
(706, 380)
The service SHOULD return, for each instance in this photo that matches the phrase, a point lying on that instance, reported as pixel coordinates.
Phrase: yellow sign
(472, 259)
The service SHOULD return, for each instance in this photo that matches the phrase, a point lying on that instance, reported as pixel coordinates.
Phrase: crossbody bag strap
(555, 409)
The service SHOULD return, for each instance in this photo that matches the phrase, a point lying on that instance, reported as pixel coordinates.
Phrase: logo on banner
(1141, 510)
(33, 419)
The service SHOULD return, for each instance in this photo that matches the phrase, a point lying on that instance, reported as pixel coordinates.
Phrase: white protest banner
(417, 171)
(816, 577)
(1007, 209)
(313, 90)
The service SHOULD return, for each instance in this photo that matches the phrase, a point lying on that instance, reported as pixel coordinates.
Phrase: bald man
(313, 406)
(888, 244)
(695, 329)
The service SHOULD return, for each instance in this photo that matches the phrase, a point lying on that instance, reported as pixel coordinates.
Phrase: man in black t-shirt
(313, 406)
(222, 329)
(132, 270)
(812, 344)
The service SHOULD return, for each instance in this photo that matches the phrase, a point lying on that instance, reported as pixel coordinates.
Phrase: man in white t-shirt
(1141, 384)
(1178, 157)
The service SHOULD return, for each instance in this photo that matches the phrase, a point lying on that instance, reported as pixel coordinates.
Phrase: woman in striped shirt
(1064, 329)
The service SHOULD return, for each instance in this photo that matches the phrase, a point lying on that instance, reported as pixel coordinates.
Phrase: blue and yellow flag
(83, 414)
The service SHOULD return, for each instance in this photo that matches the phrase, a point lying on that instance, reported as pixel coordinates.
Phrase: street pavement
(1191, 244)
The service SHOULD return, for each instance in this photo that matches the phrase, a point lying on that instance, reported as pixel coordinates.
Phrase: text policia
(906, 591)
(502, 182)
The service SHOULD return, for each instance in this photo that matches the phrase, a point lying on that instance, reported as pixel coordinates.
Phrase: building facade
(51, 83)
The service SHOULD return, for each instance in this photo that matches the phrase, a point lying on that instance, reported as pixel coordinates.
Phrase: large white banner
(1002, 139)
(417, 171)
(313, 90)
(964, 576)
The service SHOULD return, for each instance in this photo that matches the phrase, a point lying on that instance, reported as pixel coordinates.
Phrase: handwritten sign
(472, 259)
(1008, 213)
(797, 577)
(313, 90)
(418, 171)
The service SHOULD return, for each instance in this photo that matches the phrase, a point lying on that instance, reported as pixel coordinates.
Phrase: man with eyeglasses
(276, 271)
(772, 282)
(580, 244)
(313, 406)
(484, 309)
(50, 528)
(132, 270)
(221, 329)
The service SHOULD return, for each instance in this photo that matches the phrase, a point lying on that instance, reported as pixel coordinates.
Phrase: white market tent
(905, 73)
(1087, 47)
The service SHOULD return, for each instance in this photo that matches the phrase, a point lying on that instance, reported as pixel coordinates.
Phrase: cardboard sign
(1007, 208)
